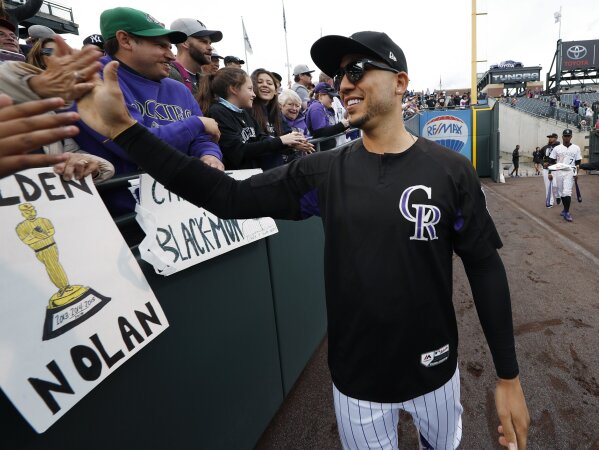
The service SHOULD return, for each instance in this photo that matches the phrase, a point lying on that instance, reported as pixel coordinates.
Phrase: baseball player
(546, 151)
(569, 155)
(394, 208)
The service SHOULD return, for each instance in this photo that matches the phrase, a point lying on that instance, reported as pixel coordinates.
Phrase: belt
(44, 248)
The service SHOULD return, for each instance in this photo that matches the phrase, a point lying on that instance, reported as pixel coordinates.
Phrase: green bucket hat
(137, 23)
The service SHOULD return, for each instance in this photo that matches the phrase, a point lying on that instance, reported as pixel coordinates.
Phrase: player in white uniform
(546, 150)
(568, 154)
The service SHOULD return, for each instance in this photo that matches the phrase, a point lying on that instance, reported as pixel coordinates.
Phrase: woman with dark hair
(40, 52)
(228, 95)
(267, 113)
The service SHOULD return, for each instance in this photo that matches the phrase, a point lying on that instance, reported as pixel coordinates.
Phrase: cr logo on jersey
(426, 217)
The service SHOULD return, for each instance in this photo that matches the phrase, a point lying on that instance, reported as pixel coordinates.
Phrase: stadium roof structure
(510, 76)
(55, 16)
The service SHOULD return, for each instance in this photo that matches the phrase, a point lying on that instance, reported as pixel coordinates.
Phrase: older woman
(291, 107)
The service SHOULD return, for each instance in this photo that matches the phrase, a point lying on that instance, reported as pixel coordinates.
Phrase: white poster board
(180, 235)
(74, 303)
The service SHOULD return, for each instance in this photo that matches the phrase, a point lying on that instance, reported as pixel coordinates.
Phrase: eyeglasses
(355, 71)
(9, 35)
(47, 51)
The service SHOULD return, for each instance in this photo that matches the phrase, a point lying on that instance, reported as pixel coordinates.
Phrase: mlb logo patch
(436, 357)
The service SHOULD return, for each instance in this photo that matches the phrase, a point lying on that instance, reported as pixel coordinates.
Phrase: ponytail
(215, 86)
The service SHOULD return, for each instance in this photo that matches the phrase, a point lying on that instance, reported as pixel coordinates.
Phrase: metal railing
(57, 10)
(317, 141)
(555, 113)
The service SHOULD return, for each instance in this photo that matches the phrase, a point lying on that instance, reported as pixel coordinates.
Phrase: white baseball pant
(546, 180)
(368, 425)
(564, 180)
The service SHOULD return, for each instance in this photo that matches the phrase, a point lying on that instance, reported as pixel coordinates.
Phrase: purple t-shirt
(164, 107)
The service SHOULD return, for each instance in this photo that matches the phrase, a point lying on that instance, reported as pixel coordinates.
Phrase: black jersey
(392, 223)
(546, 151)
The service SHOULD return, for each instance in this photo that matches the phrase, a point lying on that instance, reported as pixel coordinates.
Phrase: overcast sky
(434, 34)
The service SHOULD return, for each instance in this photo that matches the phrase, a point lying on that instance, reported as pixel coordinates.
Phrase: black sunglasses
(355, 71)
(47, 51)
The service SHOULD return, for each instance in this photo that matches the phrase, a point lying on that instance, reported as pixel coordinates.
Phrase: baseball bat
(548, 200)
(578, 196)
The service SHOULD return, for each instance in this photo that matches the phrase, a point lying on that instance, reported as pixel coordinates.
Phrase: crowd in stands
(415, 103)
(578, 109)
(224, 116)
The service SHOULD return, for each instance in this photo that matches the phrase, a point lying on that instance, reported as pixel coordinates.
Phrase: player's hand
(211, 127)
(550, 177)
(212, 161)
(78, 165)
(513, 414)
(103, 109)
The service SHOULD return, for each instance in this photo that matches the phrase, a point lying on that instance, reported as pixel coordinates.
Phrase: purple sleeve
(309, 205)
(316, 117)
(202, 144)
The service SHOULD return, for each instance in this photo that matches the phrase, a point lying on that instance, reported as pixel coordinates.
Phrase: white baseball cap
(195, 28)
(301, 68)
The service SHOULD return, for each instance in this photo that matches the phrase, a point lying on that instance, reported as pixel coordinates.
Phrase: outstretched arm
(26, 127)
(274, 194)
(492, 299)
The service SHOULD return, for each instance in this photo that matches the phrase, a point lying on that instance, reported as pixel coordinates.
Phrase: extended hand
(77, 165)
(103, 109)
(27, 127)
(212, 161)
(293, 138)
(211, 127)
(69, 72)
(513, 414)
(305, 147)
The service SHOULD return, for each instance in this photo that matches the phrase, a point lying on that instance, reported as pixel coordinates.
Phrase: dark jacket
(242, 143)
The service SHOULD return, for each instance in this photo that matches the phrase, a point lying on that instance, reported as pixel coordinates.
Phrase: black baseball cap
(7, 24)
(567, 132)
(94, 39)
(552, 135)
(277, 76)
(233, 59)
(328, 51)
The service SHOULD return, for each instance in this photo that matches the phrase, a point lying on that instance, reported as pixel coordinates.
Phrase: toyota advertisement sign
(580, 55)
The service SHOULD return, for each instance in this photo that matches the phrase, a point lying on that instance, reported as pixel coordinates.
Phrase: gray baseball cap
(301, 68)
(40, 32)
(195, 28)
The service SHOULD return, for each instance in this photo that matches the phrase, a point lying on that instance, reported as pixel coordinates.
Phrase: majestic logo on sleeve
(425, 217)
